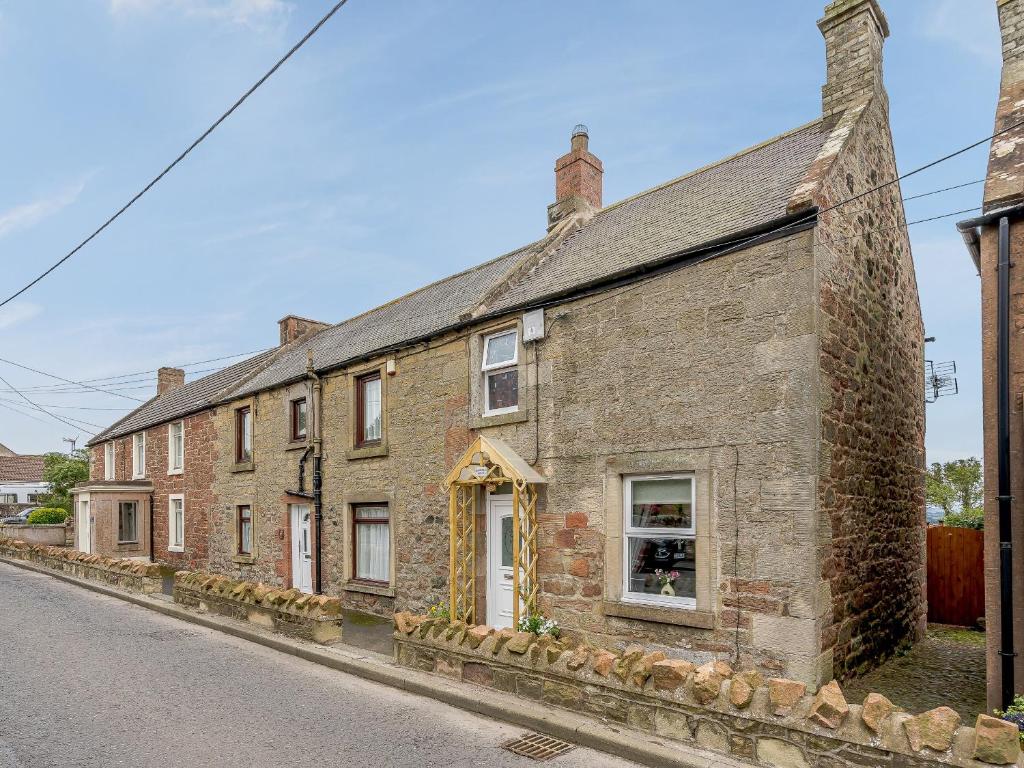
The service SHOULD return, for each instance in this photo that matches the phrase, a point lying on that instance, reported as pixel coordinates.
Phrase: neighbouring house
(692, 418)
(996, 243)
(144, 467)
(21, 481)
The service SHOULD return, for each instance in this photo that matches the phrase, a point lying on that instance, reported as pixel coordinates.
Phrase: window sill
(175, 471)
(368, 588)
(243, 466)
(297, 445)
(367, 452)
(660, 614)
(497, 419)
(176, 549)
(244, 559)
(127, 545)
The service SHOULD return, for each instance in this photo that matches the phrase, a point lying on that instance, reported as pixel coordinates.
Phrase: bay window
(127, 522)
(501, 372)
(659, 547)
(371, 543)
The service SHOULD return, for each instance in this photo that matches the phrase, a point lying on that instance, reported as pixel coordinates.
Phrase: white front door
(84, 527)
(302, 570)
(499, 561)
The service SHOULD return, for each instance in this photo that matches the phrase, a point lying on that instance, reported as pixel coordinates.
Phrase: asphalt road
(88, 680)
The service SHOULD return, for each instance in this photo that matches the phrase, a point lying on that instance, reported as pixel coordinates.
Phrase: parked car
(19, 519)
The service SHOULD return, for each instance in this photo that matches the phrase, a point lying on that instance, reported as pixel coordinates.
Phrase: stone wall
(771, 722)
(290, 612)
(46, 535)
(870, 493)
(129, 575)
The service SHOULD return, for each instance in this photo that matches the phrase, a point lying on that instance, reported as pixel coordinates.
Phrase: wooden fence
(956, 575)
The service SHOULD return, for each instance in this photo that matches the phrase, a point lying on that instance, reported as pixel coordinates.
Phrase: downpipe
(318, 512)
(1005, 497)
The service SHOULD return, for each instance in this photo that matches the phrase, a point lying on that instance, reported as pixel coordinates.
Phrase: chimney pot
(578, 177)
(168, 379)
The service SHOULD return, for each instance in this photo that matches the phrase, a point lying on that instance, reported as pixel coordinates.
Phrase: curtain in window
(373, 544)
(371, 409)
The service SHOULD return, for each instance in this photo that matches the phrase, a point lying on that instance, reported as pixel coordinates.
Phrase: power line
(72, 418)
(180, 365)
(27, 415)
(111, 387)
(61, 419)
(184, 154)
(944, 189)
(69, 381)
(69, 407)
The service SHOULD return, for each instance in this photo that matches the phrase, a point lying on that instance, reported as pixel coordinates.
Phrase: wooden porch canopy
(487, 464)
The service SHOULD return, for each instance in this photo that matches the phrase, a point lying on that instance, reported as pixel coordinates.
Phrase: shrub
(968, 518)
(47, 516)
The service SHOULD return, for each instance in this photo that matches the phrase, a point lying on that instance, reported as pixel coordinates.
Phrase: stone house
(151, 473)
(691, 418)
(994, 240)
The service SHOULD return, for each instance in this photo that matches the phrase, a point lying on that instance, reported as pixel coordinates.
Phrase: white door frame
(498, 577)
(83, 524)
(302, 567)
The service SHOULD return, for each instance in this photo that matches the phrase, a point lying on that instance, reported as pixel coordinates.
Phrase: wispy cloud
(970, 25)
(18, 312)
(256, 14)
(29, 214)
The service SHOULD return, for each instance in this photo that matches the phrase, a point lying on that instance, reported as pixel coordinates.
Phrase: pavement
(946, 667)
(90, 680)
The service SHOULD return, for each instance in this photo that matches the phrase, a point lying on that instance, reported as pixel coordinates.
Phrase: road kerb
(612, 739)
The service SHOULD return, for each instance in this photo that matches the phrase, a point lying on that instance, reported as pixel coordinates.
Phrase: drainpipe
(317, 476)
(1005, 497)
(152, 554)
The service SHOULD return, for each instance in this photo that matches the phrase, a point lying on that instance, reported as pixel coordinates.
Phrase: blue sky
(406, 141)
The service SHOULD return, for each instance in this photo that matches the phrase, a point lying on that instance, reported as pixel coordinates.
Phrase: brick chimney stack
(168, 379)
(1004, 183)
(854, 32)
(293, 327)
(577, 180)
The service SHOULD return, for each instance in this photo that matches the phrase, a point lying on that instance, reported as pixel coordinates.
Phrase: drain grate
(538, 747)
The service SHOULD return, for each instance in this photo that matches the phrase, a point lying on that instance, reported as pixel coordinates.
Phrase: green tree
(63, 471)
(957, 488)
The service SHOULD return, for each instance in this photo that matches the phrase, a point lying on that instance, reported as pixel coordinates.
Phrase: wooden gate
(956, 575)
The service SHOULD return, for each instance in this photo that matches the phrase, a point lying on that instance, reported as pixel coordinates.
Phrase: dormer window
(501, 372)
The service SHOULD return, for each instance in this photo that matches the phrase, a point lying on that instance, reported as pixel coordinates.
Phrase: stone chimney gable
(168, 379)
(854, 31)
(578, 181)
(1005, 181)
(293, 327)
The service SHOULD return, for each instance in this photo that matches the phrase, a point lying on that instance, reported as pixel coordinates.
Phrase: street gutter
(612, 739)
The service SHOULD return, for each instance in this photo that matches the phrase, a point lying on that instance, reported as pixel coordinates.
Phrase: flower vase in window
(666, 580)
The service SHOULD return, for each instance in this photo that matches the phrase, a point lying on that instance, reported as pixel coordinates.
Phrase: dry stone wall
(288, 611)
(130, 575)
(771, 722)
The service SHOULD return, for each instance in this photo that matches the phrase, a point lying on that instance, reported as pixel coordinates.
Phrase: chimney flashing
(578, 180)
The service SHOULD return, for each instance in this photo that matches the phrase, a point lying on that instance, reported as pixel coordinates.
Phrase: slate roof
(744, 191)
(187, 399)
(21, 469)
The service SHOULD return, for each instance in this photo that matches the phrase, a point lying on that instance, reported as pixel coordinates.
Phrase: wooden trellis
(488, 464)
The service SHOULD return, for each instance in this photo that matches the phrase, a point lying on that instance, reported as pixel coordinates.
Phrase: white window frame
(109, 458)
(487, 370)
(171, 469)
(171, 546)
(689, 603)
(138, 457)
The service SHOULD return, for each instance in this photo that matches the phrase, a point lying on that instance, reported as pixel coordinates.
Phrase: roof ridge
(709, 166)
(224, 395)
